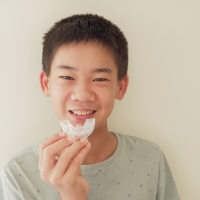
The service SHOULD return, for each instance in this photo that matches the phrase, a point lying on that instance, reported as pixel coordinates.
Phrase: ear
(44, 83)
(122, 87)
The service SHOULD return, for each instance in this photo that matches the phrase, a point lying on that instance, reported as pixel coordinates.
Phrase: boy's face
(82, 87)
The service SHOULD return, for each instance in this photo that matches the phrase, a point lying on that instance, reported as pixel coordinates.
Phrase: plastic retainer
(78, 131)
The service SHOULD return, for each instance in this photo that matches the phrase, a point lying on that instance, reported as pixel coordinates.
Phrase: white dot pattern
(137, 170)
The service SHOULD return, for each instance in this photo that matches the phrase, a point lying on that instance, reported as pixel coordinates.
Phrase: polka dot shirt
(138, 170)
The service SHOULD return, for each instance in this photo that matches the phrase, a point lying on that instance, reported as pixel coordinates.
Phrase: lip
(82, 117)
(83, 109)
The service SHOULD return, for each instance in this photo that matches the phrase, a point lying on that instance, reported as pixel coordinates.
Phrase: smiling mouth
(82, 112)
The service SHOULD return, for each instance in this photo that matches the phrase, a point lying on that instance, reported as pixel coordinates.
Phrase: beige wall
(162, 100)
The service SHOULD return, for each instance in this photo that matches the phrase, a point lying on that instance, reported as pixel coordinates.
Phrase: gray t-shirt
(137, 170)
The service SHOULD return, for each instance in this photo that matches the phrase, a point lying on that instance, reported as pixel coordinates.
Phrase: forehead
(90, 57)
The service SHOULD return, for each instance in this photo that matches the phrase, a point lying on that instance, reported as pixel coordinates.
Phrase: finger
(47, 142)
(80, 172)
(73, 169)
(69, 154)
(50, 152)
(59, 153)
(56, 160)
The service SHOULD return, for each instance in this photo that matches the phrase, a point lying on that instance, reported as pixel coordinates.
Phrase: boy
(85, 61)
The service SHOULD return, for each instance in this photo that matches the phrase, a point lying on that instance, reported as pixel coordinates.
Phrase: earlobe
(44, 83)
(122, 87)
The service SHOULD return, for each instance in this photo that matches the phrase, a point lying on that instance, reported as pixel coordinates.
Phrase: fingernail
(62, 134)
(71, 138)
(84, 140)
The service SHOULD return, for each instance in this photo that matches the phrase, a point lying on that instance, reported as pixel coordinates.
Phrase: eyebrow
(98, 70)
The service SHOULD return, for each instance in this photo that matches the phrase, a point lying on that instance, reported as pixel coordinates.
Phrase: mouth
(82, 115)
(82, 112)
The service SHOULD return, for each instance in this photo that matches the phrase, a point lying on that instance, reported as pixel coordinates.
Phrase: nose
(83, 94)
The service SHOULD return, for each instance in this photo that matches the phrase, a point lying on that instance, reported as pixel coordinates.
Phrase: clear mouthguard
(78, 131)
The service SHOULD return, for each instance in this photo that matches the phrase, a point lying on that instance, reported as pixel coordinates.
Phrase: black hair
(86, 27)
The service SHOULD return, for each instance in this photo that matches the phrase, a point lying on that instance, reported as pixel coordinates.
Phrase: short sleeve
(8, 187)
(166, 189)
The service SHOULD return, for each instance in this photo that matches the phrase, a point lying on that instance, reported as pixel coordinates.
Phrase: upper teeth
(81, 113)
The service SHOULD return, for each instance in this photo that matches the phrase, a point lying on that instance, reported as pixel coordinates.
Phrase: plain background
(162, 101)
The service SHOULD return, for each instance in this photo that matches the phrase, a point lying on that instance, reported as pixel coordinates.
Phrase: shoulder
(138, 146)
(139, 142)
(24, 158)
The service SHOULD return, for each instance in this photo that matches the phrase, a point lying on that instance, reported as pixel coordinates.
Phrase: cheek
(107, 98)
(59, 96)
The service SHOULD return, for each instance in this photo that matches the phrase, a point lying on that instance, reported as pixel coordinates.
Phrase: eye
(101, 79)
(67, 77)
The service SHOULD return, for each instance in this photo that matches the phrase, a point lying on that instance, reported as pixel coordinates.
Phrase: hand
(64, 173)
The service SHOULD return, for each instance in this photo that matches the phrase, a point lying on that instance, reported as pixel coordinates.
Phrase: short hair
(86, 27)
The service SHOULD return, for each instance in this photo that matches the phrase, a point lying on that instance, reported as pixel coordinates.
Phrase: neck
(103, 145)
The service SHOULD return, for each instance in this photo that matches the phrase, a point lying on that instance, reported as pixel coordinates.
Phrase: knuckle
(76, 162)
(55, 136)
(41, 145)
(48, 151)
(64, 155)
(55, 181)
(78, 144)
